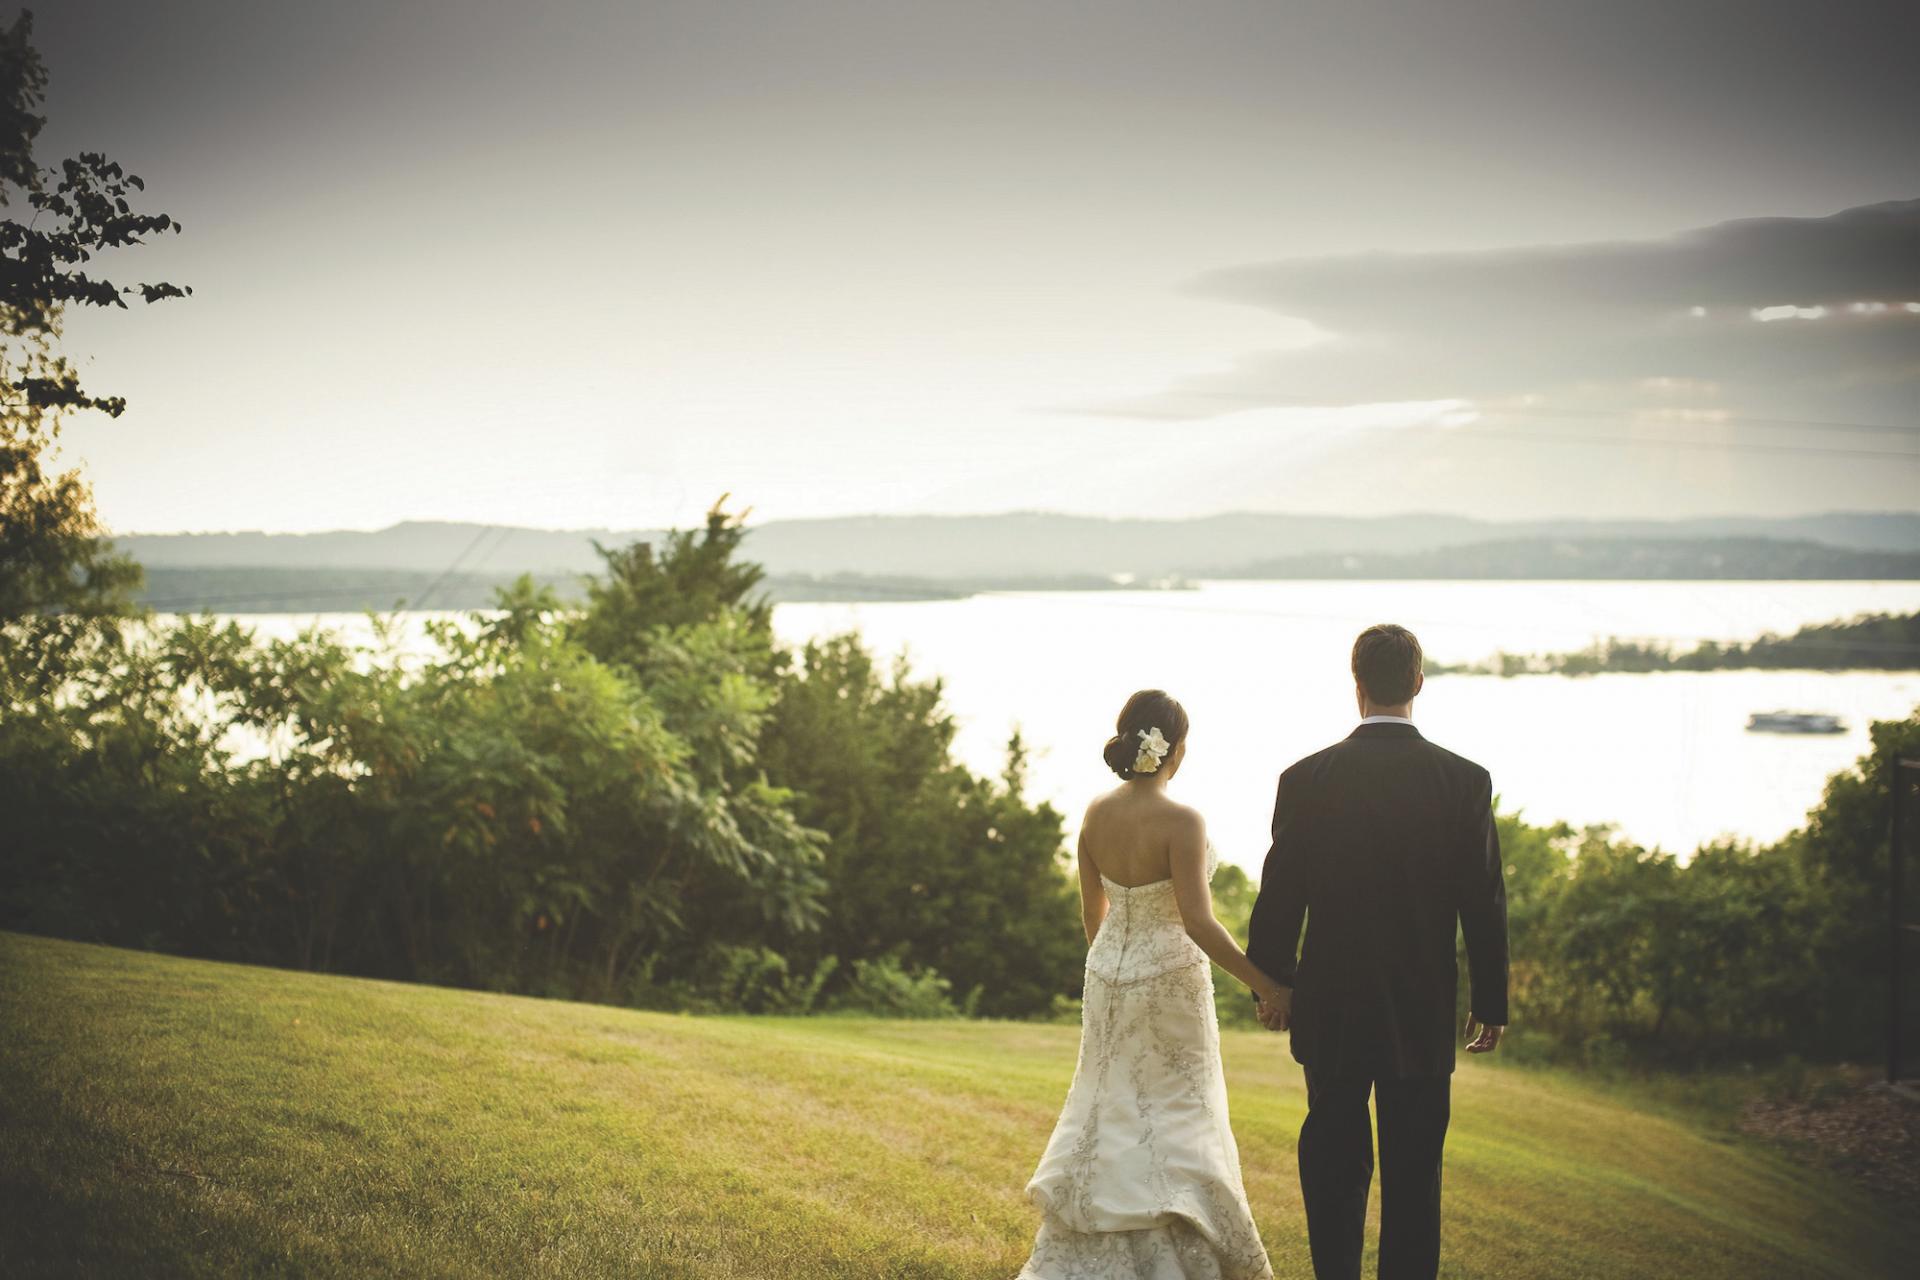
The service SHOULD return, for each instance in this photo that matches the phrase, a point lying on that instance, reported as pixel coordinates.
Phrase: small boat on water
(1794, 722)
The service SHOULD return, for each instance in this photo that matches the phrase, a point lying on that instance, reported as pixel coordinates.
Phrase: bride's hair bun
(1145, 711)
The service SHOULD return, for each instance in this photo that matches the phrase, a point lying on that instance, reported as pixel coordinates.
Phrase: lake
(1262, 669)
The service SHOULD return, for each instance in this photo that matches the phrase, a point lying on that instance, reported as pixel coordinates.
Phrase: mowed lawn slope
(168, 1117)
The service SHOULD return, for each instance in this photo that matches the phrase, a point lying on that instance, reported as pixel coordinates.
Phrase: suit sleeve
(1482, 901)
(1273, 931)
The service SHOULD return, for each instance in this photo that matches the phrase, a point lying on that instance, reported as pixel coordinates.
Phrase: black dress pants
(1336, 1168)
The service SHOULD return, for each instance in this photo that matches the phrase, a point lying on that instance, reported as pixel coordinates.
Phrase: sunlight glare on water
(1262, 669)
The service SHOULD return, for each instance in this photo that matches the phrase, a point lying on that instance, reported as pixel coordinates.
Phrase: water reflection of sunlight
(1788, 311)
(1261, 665)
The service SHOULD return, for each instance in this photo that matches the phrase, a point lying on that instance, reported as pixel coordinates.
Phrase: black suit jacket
(1381, 842)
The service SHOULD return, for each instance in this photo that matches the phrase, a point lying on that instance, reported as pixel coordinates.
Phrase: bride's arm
(1093, 896)
(1188, 856)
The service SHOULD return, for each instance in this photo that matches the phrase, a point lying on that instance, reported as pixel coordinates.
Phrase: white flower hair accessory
(1153, 750)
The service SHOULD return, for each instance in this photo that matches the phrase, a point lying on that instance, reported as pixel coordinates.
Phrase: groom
(1380, 842)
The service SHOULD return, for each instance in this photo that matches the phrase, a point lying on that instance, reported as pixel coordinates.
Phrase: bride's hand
(1276, 1006)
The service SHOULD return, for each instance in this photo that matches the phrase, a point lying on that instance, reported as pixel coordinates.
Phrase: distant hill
(242, 589)
(1600, 558)
(254, 589)
(415, 546)
(221, 589)
(987, 548)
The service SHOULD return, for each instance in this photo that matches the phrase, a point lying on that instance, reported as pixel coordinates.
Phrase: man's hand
(1275, 1009)
(1485, 1039)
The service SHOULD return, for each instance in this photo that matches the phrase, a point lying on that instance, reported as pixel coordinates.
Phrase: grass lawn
(168, 1117)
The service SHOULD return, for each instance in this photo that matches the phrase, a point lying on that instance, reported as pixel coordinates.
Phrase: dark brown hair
(1147, 709)
(1386, 662)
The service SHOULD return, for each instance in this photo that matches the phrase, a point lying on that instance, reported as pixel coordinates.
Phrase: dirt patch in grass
(1863, 1130)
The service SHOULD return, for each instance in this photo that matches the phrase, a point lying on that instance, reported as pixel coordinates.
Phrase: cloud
(1815, 318)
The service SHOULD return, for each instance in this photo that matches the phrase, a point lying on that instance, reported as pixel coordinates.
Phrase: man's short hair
(1386, 663)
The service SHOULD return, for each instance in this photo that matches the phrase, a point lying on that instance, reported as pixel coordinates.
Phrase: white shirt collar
(1388, 720)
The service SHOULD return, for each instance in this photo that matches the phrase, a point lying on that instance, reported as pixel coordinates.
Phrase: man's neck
(1386, 713)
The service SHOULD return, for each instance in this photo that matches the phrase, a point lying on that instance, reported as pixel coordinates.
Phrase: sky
(595, 264)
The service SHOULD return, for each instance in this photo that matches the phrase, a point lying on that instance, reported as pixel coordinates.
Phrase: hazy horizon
(594, 265)
(1018, 512)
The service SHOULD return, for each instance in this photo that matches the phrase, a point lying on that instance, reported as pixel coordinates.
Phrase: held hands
(1485, 1040)
(1275, 1009)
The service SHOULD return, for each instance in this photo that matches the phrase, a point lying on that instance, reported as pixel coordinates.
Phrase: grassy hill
(169, 1117)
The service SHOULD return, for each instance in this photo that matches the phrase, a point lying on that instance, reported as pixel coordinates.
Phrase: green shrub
(885, 988)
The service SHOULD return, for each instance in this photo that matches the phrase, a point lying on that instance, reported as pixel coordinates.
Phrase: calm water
(1262, 669)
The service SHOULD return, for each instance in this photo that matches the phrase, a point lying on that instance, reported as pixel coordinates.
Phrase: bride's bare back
(1129, 833)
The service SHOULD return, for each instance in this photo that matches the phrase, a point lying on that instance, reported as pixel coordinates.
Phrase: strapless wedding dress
(1142, 1177)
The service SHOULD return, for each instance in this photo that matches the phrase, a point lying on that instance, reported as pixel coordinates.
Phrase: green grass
(168, 1117)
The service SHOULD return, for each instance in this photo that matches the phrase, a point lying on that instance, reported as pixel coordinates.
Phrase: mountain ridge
(1008, 544)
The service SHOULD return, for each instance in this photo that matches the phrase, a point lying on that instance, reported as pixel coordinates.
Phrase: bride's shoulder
(1184, 820)
(1101, 814)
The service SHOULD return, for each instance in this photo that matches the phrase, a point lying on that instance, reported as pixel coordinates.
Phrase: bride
(1141, 1177)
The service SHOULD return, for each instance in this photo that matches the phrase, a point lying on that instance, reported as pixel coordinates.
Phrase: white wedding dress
(1142, 1177)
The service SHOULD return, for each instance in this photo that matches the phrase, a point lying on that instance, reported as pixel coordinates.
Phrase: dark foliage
(1742, 951)
(53, 558)
(927, 863)
(1871, 642)
(642, 801)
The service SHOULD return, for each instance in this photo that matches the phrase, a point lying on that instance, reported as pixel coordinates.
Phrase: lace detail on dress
(1143, 935)
(1142, 1176)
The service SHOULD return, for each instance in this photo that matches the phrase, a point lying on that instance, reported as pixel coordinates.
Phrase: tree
(53, 557)
(694, 577)
(1843, 852)
(681, 623)
(509, 813)
(1233, 894)
(928, 864)
(928, 867)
